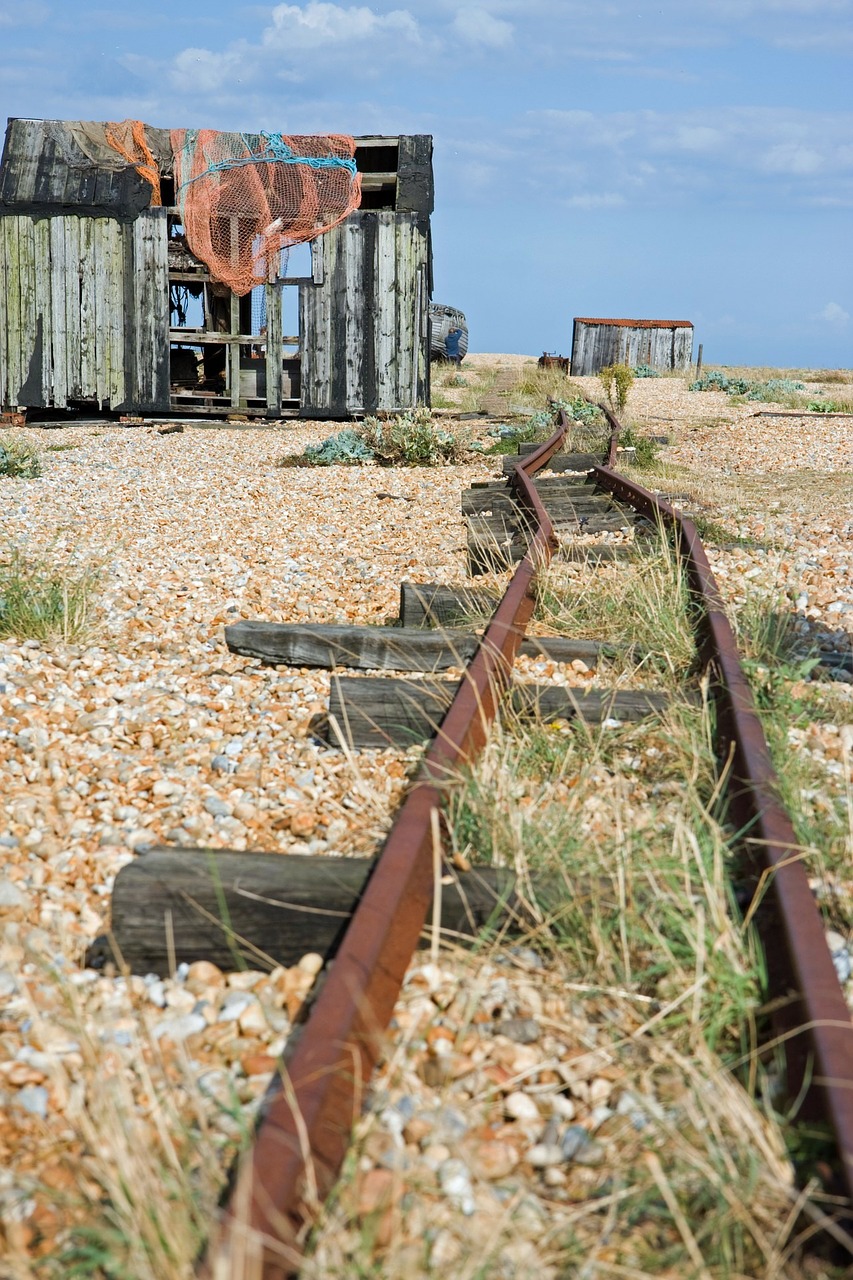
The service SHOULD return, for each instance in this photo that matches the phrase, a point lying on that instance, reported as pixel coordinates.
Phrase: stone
(217, 808)
(454, 1179)
(573, 1140)
(543, 1154)
(491, 1160)
(520, 1106)
(521, 1030)
(10, 894)
(33, 1099)
(176, 1029)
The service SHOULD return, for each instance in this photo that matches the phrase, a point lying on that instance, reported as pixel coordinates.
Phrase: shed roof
(637, 324)
(51, 165)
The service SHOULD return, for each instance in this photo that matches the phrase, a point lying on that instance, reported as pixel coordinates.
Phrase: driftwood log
(240, 909)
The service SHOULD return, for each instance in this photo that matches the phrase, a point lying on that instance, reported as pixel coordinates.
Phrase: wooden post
(699, 363)
(234, 347)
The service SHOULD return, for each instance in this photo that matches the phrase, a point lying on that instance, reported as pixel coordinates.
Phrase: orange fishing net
(128, 139)
(242, 203)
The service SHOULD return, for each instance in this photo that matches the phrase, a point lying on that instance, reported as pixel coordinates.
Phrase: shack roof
(637, 324)
(51, 165)
(55, 166)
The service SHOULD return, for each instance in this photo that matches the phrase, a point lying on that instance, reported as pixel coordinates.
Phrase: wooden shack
(660, 344)
(103, 305)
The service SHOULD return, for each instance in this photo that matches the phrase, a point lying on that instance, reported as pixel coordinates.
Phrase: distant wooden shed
(103, 304)
(660, 344)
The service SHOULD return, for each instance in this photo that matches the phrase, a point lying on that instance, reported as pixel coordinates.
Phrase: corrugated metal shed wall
(84, 311)
(364, 320)
(661, 344)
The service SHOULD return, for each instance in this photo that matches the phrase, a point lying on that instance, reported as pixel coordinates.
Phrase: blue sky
(666, 160)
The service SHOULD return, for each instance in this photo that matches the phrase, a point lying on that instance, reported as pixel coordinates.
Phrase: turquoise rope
(276, 152)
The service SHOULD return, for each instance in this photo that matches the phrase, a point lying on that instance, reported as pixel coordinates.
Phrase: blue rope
(276, 151)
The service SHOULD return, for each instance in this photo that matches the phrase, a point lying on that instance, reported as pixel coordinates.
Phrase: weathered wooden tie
(560, 462)
(383, 648)
(372, 711)
(430, 604)
(236, 908)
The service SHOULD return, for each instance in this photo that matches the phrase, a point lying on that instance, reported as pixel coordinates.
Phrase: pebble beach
(146, 731)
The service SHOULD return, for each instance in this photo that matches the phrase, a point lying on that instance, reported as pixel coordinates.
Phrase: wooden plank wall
(84, 312)
(660, 347)
(364, 320)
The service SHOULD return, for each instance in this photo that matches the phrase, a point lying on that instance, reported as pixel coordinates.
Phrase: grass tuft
(641, 604)
(19, 459)
(40, 600)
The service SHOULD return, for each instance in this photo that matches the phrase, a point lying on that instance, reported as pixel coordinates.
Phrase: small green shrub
(43, 601)
(647, 451)
(830, 406)
(644, 371)
(616, 379)
(581, 410)
(411, 439)
(346, 449)
(772, 391)
(19, 459)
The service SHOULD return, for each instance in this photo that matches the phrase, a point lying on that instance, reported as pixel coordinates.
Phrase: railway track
(521, 522)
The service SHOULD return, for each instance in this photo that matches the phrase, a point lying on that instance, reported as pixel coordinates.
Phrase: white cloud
(596, 200)
(478, 26)
(319, 25)
(792, 158)
(834, 314)
(12, 14)
(330, 32)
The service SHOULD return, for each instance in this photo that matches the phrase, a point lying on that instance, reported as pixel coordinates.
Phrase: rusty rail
(810, 1013)
(309, 1114)
(303, 1136)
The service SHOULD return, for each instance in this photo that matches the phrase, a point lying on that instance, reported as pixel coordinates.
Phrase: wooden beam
(560, 462)
(382, 648)
(372, 711)
(485, 555)
(429, 604)
(247, 909)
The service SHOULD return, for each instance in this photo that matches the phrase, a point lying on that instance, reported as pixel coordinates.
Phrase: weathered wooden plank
(381, 648)
(5, 327)
(101, 298)
(429, 604)
(487, 556)
(73, 321)
(240, 908)
(59, 283)
(405, 310)
(502, 526)
(384, 317)
(115, 311)
(560, 484)
(42, 288)
(88, 313)
(560, 462)
(372, 711)
(353, 305)
(274, 352)
(475, 501)
(151, 309)
(33, 335)
(414, 175)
